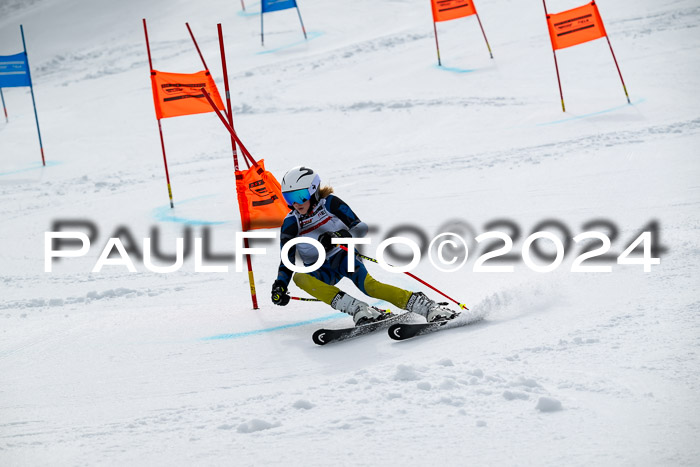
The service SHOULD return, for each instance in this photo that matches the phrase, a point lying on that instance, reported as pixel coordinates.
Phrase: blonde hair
(324, 191)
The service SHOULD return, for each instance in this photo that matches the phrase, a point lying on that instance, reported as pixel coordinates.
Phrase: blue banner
(275, 5)
(14, 71)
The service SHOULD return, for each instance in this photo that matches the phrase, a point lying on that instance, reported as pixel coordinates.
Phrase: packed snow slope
(144, 368)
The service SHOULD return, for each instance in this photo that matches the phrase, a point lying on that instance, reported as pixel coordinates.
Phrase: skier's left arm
(340, 209)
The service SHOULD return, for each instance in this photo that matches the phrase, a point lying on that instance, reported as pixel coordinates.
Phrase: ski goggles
(296, 196)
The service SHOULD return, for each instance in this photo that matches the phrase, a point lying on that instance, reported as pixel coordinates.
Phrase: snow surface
(142, 368)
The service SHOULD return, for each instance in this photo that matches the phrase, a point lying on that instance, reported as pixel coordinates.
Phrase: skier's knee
(389, 293)
(315, 288)
(374, 288)
(371, 285)
(301, 280)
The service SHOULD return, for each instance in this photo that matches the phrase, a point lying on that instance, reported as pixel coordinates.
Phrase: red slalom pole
(561, 94)
(556, 66)
(230, 129)
(484, 33)
(197, 46)
(618, 69)
(234, 136)
(461, 305)
(437, 45)
(160, 127)
(229, 110)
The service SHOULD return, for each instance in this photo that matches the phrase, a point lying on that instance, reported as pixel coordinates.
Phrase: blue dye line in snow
(454, 69)
(579, 117)
(35, 166)
(164, 214)
(309, 36)
(276, 328)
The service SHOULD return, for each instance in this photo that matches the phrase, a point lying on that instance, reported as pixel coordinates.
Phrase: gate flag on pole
(446, 10)
(260, 198)
(276, 5)
(267, 6)
(176, 94)
(573, 27)
(14, 71)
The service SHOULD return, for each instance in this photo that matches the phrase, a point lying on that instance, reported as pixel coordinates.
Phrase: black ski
(402, 331)
(326, 336)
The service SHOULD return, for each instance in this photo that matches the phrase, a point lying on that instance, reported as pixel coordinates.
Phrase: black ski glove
(279, 293)
(325, 238)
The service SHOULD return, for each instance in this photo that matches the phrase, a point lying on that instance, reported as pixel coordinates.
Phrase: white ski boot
(361, 312)
(419, 303)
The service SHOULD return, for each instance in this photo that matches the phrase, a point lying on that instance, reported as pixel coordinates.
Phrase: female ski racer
(317, 213)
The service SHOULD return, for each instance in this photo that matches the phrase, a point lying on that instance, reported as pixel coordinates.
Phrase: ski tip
(319, 337)
(395, 332)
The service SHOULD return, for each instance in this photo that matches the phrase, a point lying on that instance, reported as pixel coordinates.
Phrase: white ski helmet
(299, 185)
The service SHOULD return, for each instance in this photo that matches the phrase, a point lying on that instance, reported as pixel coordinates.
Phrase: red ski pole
(304, 299)
(461, 305)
